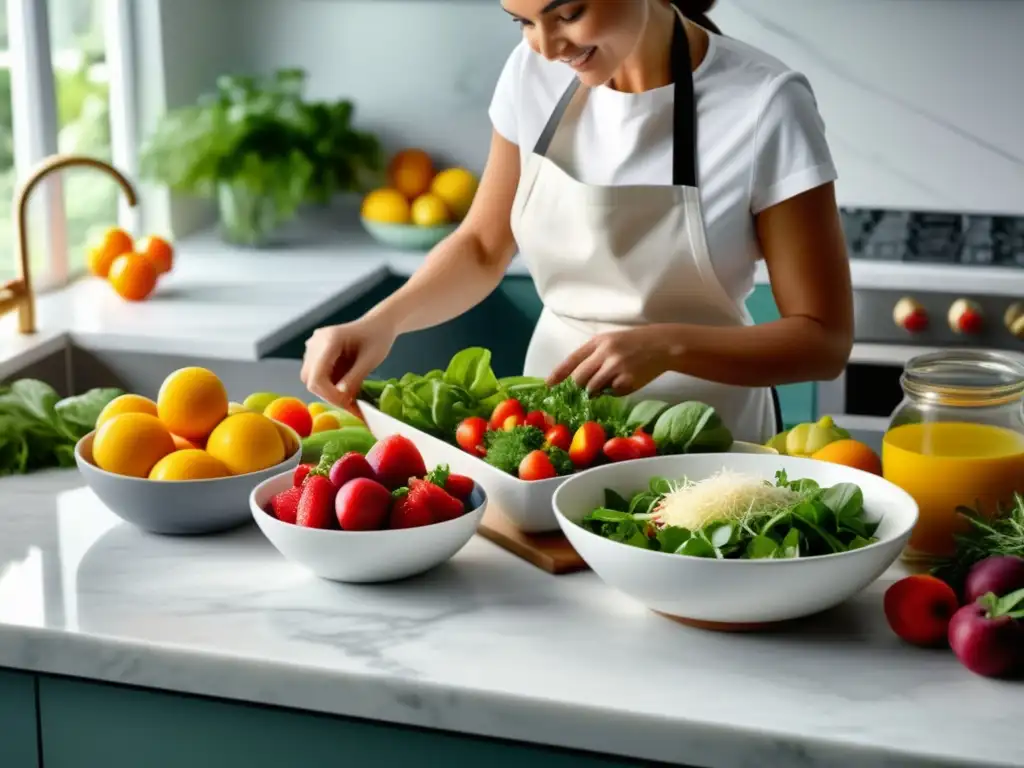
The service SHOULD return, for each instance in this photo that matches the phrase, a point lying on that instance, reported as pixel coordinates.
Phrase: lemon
(125, 404)
(456, 187)
(325, 422)
(191, 402)
(246, 442)
(429, 210)
(191, 464)
(315, 409)
(387, 206)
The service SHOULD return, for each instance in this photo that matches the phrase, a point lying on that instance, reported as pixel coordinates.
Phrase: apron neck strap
(684, 145)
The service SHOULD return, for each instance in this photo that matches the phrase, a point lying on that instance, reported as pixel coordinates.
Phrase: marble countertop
(484, 645)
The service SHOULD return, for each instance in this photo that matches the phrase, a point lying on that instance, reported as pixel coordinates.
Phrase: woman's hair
(697, 10)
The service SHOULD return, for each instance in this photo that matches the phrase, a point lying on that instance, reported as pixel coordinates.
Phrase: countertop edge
(429, 705)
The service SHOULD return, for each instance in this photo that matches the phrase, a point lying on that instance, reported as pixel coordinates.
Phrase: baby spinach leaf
(609, 515)
(660, 486)
(790, 546)
(613, 500)
(643, 503)
(644, 414)
(691, 427)
(846, 500)
(722, 535)
(761, 547)
(79, 412)
(671, 538)
(696, 547)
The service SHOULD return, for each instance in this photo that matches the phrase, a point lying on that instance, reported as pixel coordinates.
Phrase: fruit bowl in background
(408, 236)
(727, 593)
(182, 507)
(364, 556)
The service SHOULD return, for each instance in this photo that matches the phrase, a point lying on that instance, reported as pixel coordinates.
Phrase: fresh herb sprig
(1001, 533)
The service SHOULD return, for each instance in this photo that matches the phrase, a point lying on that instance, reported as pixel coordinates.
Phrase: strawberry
(316, 504)
(394, 459)
(284, 505)
(459, 486)
(301, 472)
(350, 466)
(442, 505)
(407, 512)
(362, 504)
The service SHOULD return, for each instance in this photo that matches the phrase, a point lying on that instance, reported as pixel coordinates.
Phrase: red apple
(919, 609)
(987, 637)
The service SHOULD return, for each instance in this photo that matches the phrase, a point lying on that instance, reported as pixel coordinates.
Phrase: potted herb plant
(261, 150)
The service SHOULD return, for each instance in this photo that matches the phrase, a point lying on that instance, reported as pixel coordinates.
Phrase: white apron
(611, 257)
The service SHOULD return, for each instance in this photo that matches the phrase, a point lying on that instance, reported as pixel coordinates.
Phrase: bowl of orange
(186, 462)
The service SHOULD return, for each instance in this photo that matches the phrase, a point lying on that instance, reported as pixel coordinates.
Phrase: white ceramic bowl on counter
(734, 593)
(178, 507)
(363, 557)
(527, 505)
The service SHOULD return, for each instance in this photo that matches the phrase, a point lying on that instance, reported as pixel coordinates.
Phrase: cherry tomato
(540, 420)
(647, 445)
(622, 449)
(511, 422)
(559, 436)
(504, 409)
(536, 466)
(586, 444)
(470, 435)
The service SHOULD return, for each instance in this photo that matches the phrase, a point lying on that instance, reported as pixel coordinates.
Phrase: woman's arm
(805, 252)
(467, 266)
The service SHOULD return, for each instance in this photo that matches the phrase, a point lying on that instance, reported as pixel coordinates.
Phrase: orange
(133, 276)
(850, 453)
(191, 402)
(190, 464)
(456, 187)
(325, 422)
(181, 444)
(108, 247)
(131, 444)
(246, 442)
(125, 404)
(410, 172)
(386, 206)
(158, 251)
(293, 412)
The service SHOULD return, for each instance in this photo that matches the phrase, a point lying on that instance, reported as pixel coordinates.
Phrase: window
(60, 63)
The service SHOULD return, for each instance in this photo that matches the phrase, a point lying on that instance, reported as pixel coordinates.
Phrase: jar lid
(968, 377)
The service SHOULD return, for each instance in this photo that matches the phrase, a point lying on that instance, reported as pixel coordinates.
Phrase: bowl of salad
(735, 540)
(521, 439)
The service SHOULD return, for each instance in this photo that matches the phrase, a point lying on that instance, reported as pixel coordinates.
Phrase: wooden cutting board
(551, 552)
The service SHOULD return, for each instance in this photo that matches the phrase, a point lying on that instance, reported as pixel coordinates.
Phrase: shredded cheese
(724, 496)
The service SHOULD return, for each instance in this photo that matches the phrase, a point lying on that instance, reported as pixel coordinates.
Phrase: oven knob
(1015, 319)
(910, 315)
(965, 317)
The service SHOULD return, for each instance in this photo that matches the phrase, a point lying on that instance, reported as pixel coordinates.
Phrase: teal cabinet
(88, 725)
(503, 323)
(18, 734)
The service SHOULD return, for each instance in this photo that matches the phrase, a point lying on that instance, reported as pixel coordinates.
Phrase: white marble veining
(485, 645)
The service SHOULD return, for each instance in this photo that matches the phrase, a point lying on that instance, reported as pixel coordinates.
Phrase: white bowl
(734, 592)
(364, 556)
(178, 507)
(527, 505)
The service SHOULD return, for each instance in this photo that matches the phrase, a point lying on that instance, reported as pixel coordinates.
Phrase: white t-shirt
(761, 139)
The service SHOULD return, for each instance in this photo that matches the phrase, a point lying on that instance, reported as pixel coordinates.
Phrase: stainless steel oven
(923, 282)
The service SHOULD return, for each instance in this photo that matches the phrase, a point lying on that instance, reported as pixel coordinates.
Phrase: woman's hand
(623, 361)
(339, 357)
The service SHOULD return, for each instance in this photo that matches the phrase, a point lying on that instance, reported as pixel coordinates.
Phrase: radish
(987, 636)
(1000, 574)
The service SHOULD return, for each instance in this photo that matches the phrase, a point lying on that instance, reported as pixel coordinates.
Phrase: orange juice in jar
(957, 439)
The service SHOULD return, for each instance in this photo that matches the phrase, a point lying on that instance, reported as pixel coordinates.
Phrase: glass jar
(956, 439)
(247, 218)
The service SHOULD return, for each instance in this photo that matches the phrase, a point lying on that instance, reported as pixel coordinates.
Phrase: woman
(642, 163)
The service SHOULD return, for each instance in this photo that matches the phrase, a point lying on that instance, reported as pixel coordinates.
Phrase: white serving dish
(364, 556)
(734, 592)
(527, 505)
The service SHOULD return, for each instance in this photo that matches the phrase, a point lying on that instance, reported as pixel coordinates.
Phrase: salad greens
(38, 429)
(436, 402)
(1001, 533)
(817, 521)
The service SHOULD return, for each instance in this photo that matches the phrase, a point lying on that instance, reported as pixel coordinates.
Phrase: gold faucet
(17, 294)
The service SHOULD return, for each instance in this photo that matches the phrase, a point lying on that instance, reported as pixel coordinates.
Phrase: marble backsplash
(923, 98)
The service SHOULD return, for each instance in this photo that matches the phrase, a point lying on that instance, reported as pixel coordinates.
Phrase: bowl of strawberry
(373, 518)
